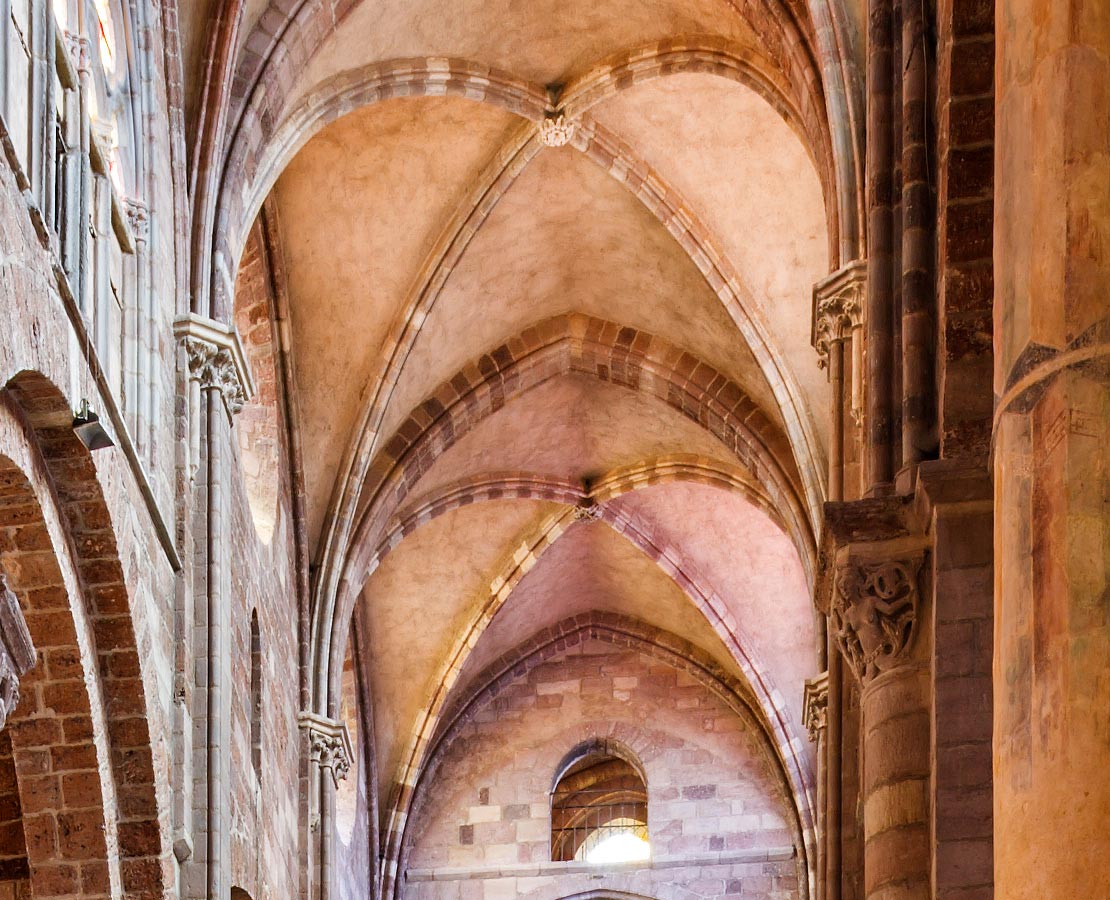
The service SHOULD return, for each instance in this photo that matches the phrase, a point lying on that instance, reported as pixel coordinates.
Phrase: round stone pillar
(1051, 467)
(896, 745)
(877, 616)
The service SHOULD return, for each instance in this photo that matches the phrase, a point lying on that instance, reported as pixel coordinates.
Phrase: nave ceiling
(492, 324)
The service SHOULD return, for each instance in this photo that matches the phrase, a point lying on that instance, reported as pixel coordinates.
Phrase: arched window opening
(256, 695)
(599, 811)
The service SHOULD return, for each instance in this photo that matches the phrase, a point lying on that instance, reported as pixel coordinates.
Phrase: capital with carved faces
(874, 613)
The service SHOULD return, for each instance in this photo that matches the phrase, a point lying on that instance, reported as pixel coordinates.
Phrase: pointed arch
(635, 360)
(96, 604)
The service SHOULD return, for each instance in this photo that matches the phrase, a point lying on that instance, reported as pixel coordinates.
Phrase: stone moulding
(17, 652)
(815, 705)
(837, 307)
(216, 359)
(578, 867)
(329, 744)
(874, 613)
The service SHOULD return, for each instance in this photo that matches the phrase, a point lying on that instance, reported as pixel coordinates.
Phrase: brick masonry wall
(38, 349)
(265, 858)
(259, 438)
(263, 811)
(712, 786)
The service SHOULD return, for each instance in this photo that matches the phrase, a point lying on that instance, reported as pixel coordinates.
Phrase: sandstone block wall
(714, 792)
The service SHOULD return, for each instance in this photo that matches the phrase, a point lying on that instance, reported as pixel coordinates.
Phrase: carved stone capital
(815, 705)
(80, 51)
(837, 307)
(329, 744)
(138, 219)
(556, 130)
(216, 359)
(874, 614)
(17, 652)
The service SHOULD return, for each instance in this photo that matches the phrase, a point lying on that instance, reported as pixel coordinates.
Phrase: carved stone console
(216, 359)
(17, 653)
(815, 705)
(329, 744)
(838, 307)
(874, 612)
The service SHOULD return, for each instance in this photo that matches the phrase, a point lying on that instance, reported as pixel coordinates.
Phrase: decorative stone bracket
(216, 359)
(138, 220)
(329, 744)
(837, 307)
(17, 652)
(815, 705)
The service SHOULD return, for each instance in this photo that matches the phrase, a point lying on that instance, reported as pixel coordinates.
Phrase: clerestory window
(599, 811)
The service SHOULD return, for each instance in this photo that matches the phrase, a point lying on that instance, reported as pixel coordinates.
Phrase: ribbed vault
(547, 269)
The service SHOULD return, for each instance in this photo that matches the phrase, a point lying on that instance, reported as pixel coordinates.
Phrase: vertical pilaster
(956, 503)
(328, 759)
(219, 383)
(815, 705)
(878, 442)
(919, 437)
(138, 367)
(877, 615)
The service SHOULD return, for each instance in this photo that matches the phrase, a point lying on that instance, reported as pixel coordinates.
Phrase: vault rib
(695, 238)
(788, 743)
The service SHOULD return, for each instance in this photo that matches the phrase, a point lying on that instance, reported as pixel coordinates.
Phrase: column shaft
(880, 300)
(1051, 464)
(896, 784)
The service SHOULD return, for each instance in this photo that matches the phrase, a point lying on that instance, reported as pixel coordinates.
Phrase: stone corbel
(138, 220)
(838, 305)
(17, 652)
(80, 52)
(815, 705)
(216, 359)
(329, 744)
